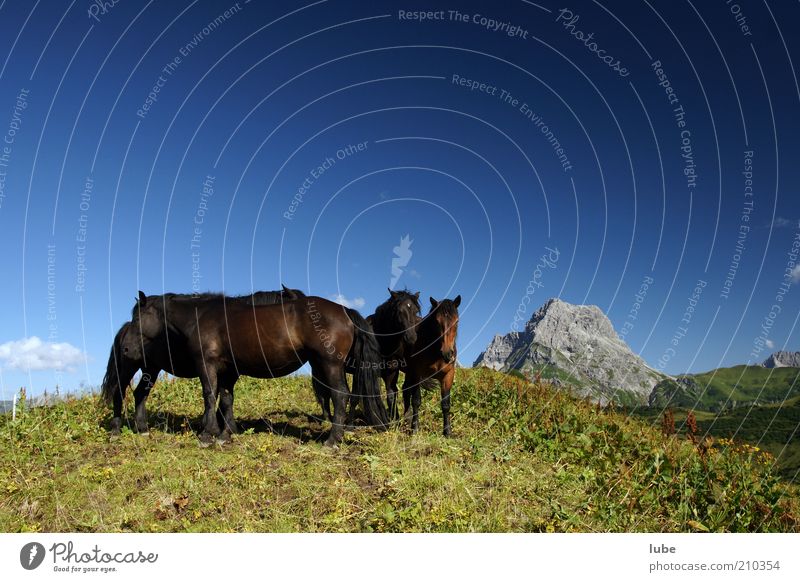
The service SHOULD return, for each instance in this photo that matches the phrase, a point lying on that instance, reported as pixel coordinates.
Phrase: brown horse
(168, 355)
(433, 357)
(227, 339)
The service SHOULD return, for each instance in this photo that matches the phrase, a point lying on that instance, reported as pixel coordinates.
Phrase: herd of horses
(269, 334)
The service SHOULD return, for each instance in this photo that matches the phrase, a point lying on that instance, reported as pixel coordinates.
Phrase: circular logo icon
(31, 555)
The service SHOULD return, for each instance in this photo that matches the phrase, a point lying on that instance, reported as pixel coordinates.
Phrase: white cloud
(33, 354)
(770, 344)
(781, 222)
(795, 274)
(355, 303)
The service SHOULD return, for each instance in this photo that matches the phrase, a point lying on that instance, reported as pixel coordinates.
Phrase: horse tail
(113, 380)
(367, 361)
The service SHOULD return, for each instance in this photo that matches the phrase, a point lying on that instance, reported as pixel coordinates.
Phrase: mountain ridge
(576, 347)
(782, 359)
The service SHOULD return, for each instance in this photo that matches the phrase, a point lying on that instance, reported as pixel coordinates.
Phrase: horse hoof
(114, 436)
(145, 433)
(332, 443)
(206, 440)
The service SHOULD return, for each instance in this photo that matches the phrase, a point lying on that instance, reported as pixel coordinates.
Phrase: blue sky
(169, 145)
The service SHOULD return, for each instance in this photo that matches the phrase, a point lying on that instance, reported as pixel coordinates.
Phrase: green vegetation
(773, 428)
(755, 405)
(727, 388)
(523, 458)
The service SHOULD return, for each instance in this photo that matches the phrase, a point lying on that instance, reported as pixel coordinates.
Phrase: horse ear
(391, 293)
(457, 301)
(416, 295)
(284, 287)
(142, 298)
(434, 303)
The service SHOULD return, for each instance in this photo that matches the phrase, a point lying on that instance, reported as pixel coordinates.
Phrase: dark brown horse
(169, 355)
(433, 357)
(395, 323)
(227, 339)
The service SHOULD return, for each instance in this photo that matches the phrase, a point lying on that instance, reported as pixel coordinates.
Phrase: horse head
(147, 324)
(405, 308)
(445, 314)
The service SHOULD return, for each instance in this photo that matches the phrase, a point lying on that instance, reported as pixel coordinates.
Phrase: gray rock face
(783, 360)
(576, 346)
(498, 351)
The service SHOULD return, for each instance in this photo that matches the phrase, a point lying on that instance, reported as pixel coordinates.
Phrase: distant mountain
(783, 360)
(728, 388)
(576, 347)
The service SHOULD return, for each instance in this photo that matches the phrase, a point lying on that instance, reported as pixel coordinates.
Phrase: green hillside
(727, 388)
(773, 428)
(523, 458)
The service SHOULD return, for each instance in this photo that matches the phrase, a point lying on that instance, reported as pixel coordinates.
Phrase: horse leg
(123, 380)
(416, 400)
(446, 384)
(334, 379)
(390, 376)
(116, 421)
(350, 423)
(412, 398)
(407, 391)
(228, 423)
(208, 377)
(323, 395)
(148, 379)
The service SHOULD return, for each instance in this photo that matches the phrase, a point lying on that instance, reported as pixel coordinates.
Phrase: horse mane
(386, 312)
(447, 307)
(255, 298)
(429, 326)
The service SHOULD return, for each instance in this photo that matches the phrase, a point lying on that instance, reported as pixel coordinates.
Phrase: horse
(394, 324)
(225, 340)
(121, 368)
(433, 357)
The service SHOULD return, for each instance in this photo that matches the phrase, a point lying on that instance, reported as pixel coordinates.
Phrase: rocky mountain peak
(783, 360)
(576, 346)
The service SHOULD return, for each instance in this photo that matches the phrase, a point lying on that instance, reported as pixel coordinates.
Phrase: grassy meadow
(523, 458)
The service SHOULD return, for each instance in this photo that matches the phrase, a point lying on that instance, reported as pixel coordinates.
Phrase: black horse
(169, 355)
(395, 323)
(225, 339)
(395, 326)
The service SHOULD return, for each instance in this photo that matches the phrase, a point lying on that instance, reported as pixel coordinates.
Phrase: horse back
(277, 337)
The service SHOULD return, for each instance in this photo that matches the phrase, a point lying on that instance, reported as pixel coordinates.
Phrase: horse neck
(387, 330)
(262, 298)
(429, 334)
(181, 316)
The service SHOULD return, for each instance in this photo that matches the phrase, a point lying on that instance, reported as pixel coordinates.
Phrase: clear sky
(180, 146)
